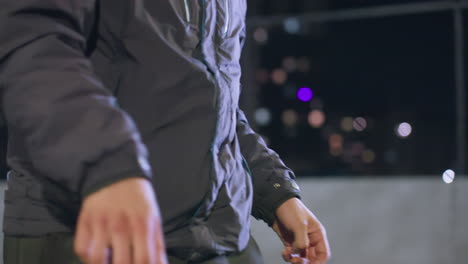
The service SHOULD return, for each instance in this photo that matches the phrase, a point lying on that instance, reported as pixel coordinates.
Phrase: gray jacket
(97, 91)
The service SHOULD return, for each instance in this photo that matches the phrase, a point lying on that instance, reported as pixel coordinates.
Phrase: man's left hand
(303, 236)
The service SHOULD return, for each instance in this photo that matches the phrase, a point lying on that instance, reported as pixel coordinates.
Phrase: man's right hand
(121, 222)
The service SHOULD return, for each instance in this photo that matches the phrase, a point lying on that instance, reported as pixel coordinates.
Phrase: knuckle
(119, 231)
(143, 222)
(302, 225)
(119, 226)
(100, 220)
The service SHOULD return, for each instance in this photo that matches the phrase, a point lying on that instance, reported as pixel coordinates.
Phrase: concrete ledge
(382, 220)
(385, 221)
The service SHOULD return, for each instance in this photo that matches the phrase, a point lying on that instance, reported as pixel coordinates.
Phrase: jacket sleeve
(273, 182)
(68, 123)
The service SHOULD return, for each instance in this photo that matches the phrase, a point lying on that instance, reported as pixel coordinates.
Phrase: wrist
(293, 201)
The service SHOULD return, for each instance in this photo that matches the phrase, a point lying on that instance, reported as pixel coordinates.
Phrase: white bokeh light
(403, 130)
(448, 176)
(359, 124)
(262, 116)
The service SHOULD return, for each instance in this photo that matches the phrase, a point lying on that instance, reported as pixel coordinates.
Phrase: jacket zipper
(187, 11)
(228, 17)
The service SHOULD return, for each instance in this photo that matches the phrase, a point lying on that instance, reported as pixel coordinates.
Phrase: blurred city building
(359, 87)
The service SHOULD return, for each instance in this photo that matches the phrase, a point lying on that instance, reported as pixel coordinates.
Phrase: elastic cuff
(277, 193)
(268, 213)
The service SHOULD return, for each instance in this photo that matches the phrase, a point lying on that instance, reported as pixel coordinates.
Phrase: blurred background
(357, 87)
(366, 101)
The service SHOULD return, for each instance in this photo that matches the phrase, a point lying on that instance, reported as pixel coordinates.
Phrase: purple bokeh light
(305, 94)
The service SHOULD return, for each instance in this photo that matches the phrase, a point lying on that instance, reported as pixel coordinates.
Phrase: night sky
(395, 74)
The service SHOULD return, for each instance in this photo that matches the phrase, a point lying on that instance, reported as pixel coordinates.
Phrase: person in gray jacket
(120, 109)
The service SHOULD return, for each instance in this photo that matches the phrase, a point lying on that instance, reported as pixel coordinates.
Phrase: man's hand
(303, 236)
(121, 222)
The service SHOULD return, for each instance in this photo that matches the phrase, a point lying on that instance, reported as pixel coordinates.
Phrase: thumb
(301, 238)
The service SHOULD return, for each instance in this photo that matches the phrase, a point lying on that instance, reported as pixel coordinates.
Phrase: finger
(142, 244)
(287, 254)
(315, 238)
(99, 245)
(120, 241)
(82, 238)
(158, 240)
(301, 238)
(301, 253)
(312, 255)
(322, 249)
(299, 260)
(296, 260)
(322, 253)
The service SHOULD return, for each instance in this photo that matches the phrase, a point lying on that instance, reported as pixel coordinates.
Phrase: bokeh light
(347, 124)
(335, 141)
(368, 156)
(289, 64)
(403, 130)
(448, 176)
(262, 116)
(289, 117)
(279, 76)
(261, 35)
(292, 25)
(305, 94)
(359, 124)
(316, 118)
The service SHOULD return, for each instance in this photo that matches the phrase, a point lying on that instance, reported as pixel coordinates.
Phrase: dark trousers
(58, 249)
